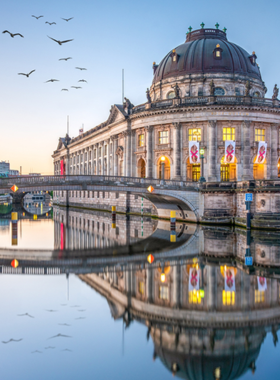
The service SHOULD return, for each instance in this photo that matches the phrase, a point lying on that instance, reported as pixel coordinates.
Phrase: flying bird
(49, 348)
(52, 80)
(82, 80)
(82, 310)
(26, 314)
(13, 34)
(63, 304)
(75, 306)
(50, 23)
(64, 89)
(80, 68)
(34, 352)
(60, 336)
(64, 324)
(52, 311)
(12, 340)
(60, 42)
(37, 17)
(65, 59)
(67, 19)
(81, 318)
(27, 75)
(66, 349)
(75, 87)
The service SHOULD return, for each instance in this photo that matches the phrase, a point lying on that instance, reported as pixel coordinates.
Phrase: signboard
(194, 152)
(248, 197)
(229, 152)
(248, 261)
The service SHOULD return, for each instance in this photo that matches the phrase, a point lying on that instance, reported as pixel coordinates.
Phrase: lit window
(259, 296)
(228, 298)
(228, 134)
(194, 297)
(218, 52)
(195, 134)
(163, 137)
(141, 140)
(163, 293)
(259, 134)
(141, 287)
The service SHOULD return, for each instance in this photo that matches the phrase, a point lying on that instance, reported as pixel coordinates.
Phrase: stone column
(115, 157)
(177, 151)
(133, 156)
(127, 135)
(211, 288)
(212, 151)
(246, 150)
(149, 169)
(274, 153)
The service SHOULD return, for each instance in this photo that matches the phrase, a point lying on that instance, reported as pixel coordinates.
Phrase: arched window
(257, 94)
(219, 91)
(170, 95)
(217, 52)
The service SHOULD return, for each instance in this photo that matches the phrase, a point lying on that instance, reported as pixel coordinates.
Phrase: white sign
(261, 152)
(229, 280)
(194, 152)
(229, 152)
(194, 279)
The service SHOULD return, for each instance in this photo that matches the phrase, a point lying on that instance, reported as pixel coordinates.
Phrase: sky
(108, 36)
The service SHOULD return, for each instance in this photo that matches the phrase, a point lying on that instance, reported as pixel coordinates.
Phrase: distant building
(4, 168)
(13, 173)
(34, 174)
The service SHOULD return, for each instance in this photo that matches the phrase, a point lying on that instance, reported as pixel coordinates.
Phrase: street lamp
(201, 152)
(162, 161)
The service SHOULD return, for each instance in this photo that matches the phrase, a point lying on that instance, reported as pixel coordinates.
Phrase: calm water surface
(196, 312)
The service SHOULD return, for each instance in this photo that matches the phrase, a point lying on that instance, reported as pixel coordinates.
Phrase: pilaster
(212, 151)
(246, 151)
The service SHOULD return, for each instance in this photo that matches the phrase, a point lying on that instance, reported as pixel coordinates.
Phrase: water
(196, 311)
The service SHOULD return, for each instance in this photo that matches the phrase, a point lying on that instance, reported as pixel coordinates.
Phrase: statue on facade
(148, 96)
(212, 88)
(248, 88)
(176, 90)
(275, 92)
(127, 104)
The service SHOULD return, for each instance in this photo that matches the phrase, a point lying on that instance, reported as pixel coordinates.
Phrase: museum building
(207, 99)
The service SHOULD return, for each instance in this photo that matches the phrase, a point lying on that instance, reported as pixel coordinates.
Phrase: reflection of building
(206, 333)
(37, 203)
(206, 90)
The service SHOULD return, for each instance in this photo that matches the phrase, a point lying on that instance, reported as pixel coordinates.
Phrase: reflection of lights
(14, 263)
(150, 259)
(201, 293)
(23, 214)
(217, 373)
(162, 277)
(47, 214)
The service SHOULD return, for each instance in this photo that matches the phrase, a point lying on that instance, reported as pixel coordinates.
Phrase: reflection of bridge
(168, 195)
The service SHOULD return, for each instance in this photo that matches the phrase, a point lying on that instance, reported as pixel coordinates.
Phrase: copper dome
(196, 56)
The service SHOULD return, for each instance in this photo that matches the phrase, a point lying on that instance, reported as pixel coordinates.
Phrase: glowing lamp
(14, 188)
(162, 158)
(23, 214)
(47, 214)
(35, 217)
(150, 189)
(201, 151)
(150, 259)
(201, 293)
(162, 277)
(14, 263)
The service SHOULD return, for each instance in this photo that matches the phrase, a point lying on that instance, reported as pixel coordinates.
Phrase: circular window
(171, 95)
(219, 91)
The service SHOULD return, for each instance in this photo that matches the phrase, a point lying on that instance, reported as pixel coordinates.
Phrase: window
(228, 298)
(194, 297)
(195, 134)
(219, 91)
(171, 95)
(259, 296)
(141, 287)
(105, 150)
(99, 151)
(141, 140)
(256, 94)
(90, 154)
(237, 91)
(135, 233)
(163, 137)
(228, 134)
(163, 293)
(85, 156)
(259, 134)
(217, 52)
(94, 153)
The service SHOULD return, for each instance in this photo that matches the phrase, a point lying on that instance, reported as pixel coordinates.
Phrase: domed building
(208, 94)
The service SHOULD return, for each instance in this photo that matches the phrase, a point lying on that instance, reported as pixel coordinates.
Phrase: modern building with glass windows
(207, 90)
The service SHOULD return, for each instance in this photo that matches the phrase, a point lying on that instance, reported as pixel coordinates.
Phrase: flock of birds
(61, 59)
(59, 335)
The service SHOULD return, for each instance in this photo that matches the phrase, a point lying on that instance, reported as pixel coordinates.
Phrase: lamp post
(201, 152)
(162, 162)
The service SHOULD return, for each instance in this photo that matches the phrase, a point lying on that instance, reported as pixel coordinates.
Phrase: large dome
(198, 56)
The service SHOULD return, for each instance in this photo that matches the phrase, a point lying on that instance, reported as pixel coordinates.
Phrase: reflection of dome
(196, 354)
(196, 56)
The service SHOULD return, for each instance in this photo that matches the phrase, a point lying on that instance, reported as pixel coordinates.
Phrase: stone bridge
(182, 197)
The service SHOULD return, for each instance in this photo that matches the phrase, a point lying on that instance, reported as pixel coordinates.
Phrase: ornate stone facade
(211, 101)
